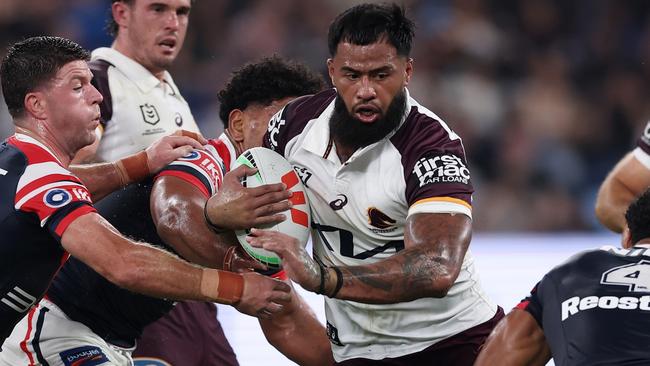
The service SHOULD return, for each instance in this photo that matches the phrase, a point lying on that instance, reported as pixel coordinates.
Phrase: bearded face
(348, 130)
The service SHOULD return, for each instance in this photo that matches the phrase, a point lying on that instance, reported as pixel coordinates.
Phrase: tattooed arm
(435, 246)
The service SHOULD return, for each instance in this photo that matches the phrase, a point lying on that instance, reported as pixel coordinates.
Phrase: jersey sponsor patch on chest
(446, 168)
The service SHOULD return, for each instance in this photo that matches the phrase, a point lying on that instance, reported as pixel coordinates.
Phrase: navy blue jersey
(39, 200)
(113, 313)
(595, 308)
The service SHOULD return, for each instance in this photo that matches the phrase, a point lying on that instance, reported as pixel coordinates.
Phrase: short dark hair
(265, 81)
(30, 63)
(638, 217)
(111, 25)
(368, 23)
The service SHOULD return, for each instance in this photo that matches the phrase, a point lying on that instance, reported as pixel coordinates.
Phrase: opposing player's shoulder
(579, 262)
(291, 120)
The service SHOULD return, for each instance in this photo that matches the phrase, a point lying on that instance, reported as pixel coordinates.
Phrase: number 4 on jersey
(635, 276)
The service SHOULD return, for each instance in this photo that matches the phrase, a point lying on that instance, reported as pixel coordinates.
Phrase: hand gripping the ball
(236, 207)
(297, 263)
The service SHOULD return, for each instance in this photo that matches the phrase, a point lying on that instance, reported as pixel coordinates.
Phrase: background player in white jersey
(254, 93)
(591, 310)
(390, 193)
(629, 178)
(46, 84)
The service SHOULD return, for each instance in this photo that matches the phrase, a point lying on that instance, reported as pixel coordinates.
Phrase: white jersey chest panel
(374, 178)
(139, 118)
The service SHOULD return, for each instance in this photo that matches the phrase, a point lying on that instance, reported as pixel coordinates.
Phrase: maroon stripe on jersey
(434, 165)
(75, 214)
(294, 118)
(100, 81)
(34, 153)
(223, 152)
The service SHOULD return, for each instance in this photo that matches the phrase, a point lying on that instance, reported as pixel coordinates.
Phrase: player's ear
(626, 238)
(120, 13)
(35, 105)
(330, 70)
(236, 124)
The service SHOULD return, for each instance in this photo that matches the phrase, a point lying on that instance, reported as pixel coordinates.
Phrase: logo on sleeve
(56, 198)
(446, 168)
(194, 155)
(275, 124)
(86, 356)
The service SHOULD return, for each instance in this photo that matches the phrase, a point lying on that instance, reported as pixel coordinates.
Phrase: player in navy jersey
(629, 178)
(592, 310)
(390, 193)
(47, 211)
(253, 94)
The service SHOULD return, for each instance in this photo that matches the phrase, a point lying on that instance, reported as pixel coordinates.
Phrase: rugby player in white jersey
(390, 193)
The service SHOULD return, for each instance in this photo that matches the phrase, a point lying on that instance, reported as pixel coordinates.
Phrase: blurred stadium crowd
(547, 95)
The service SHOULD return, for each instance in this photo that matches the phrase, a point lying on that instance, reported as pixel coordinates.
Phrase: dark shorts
(189, 335)
(459, 350)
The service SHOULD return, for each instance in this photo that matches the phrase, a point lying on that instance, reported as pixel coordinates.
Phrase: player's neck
(43, 136)
(239, 147)
(343, 151)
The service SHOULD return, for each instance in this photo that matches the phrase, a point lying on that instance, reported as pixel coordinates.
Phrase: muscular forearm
(101, 179)
(177, 211)
(145, 269)
(409, 275)
(435, 249)
(623, 184)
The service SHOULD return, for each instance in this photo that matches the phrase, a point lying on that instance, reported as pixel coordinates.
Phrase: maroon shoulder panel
(293, 118)
(100, 81)
(434, 165)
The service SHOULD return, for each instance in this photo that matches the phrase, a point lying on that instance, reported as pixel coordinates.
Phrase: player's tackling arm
(103, 178)
(435, 246)
(145, 269)
(626, 181)
(517, 340)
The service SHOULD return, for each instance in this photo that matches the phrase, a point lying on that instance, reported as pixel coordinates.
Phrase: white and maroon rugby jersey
(359, 209)
(138, 108)
(40, 198)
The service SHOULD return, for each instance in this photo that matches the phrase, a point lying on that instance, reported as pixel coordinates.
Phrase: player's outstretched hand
(296, 262)
(170, 148)
(263, 296)
(236, 207)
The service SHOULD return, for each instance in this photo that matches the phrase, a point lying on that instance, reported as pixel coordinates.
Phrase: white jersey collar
(143, 78)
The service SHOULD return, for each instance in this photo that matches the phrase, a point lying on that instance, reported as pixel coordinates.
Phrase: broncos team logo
(380, 220)
(56, 198)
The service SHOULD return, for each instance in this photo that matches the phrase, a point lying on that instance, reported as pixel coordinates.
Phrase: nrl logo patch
(149, 114)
